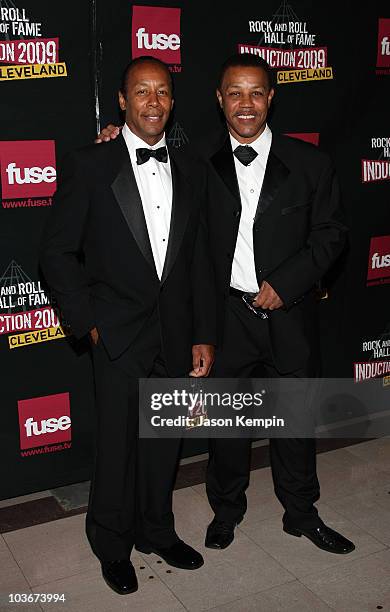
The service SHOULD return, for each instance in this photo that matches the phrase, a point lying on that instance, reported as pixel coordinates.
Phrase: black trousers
(293, 460)
(130, 498)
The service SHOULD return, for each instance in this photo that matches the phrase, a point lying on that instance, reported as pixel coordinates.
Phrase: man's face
(148, 101)
(245, 97)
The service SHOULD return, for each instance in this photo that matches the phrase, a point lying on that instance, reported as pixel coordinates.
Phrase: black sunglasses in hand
(248, 299)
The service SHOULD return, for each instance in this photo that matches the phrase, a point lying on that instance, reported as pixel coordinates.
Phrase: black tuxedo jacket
(298, 233)
(96, 254)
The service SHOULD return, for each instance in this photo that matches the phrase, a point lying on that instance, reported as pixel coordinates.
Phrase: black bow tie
(245, 155)
(143, 155)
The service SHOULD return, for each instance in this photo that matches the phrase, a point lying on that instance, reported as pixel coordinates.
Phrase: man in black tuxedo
(125, 251)
(275, 229)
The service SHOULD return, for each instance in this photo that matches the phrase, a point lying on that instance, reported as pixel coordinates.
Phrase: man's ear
(270, 96)
(219, 96)
(122, 101)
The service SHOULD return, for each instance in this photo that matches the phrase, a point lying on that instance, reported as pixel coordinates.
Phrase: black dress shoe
(324, 537)
(220, 534)
(178, 555)
(120, 576)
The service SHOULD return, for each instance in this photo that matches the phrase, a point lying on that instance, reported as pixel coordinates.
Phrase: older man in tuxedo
(125, 251)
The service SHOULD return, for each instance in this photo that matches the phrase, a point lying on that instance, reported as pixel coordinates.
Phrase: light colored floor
(263, 570)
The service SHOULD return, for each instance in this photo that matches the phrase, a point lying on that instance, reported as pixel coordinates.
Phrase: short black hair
(143, 59)
(247, 59)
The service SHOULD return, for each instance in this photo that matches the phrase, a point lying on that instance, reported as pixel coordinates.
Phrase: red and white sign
(40, 318)
(32, 51)
(370, 369)
(44, 420)
(375, 170)
(28, 168)
(312, 57)
(379, 261)
(312, 137)
(156, 32)
(383, 56)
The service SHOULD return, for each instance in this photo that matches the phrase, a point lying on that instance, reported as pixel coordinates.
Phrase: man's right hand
(108, 133)
(94, 335)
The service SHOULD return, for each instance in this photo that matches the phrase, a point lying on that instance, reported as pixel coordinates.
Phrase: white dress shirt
(154, 182)
(250, 181)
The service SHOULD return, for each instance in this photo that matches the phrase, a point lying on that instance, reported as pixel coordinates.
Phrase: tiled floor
(263, 570)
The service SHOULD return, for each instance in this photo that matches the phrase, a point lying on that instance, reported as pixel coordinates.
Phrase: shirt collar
(261, 145)
(133, 142)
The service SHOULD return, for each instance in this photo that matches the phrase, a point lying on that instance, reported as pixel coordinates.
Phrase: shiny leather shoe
(324, 537)
(120, 576)
(220, 534)
(178, 555)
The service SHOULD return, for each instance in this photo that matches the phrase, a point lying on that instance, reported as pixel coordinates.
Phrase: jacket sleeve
(61, 247)
(203, 281)
(325, 241)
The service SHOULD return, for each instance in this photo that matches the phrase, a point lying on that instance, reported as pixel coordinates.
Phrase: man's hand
(267, 298)
(94, 335)
(108, 133)
(202, 359)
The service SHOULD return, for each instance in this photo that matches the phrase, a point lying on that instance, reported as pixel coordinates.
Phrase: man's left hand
(267, 298)
(110, 132)
(202, 359)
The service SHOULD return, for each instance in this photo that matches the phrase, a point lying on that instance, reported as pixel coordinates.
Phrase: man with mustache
(125, 251)
(276, 228)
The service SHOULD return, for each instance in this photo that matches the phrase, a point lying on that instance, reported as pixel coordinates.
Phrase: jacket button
(236, 213)
(228, 255)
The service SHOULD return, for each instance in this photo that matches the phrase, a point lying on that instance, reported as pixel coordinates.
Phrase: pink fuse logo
(383, 56)
(379, 261)
(28, 168)
(156, 32)
(44, 420)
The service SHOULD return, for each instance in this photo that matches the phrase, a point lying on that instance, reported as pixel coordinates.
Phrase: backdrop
(60, 69)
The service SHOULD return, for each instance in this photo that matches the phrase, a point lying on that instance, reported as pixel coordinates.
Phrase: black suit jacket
(96, 254)
(298, 233)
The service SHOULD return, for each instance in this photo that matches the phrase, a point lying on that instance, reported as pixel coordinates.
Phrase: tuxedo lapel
(276, 172)
(127, 195)
(223, 163)
(180, 210)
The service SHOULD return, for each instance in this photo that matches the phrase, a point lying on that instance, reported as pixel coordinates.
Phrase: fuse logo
(156, 32)
(33, 428)
(379, 261)
(28, 168)
(157, 41)
(383, 56)
(385, 46)
(30, 175)
(44, 420)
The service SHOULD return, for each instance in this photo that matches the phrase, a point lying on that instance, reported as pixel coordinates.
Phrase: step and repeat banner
(60, 68)
(46, 108)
